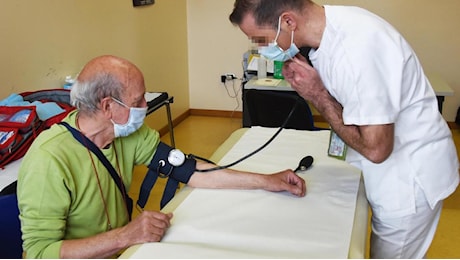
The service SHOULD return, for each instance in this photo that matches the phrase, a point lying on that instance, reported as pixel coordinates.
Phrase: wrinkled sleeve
(147, 142)
(43, 199)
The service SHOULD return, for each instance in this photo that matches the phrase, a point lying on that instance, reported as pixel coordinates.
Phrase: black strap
(155, 170)
(90, 145)
(160, 167)
(147, 185)
(170, 191)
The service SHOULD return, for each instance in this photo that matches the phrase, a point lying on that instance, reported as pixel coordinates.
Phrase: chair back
(10, 227)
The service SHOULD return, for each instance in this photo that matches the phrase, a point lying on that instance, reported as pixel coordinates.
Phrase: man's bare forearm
(373, 142)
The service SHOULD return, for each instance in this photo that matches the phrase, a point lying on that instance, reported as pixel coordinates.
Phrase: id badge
(337, 147)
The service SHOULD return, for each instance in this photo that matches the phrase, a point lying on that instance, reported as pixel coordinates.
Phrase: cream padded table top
(330, 222)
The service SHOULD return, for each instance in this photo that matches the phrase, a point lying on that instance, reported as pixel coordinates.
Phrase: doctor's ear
(289, 20)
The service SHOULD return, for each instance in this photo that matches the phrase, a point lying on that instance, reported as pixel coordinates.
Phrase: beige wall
(215, 47)
(42, 41)
(183, 46)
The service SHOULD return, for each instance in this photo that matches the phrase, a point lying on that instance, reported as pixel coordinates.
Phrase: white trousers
(405, 237)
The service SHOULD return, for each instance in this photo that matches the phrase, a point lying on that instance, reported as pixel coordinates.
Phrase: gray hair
(86, 95)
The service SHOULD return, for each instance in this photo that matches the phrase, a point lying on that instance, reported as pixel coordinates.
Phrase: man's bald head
(104, 76)
(111, 65)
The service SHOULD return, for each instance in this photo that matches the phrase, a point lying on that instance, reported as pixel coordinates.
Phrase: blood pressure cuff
(161, 167)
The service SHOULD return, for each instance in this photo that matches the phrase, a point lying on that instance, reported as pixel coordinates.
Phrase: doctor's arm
(375, 142)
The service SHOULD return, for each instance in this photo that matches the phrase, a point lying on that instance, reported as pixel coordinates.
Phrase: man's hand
(286, 180)
(149, 226)
(303, 78)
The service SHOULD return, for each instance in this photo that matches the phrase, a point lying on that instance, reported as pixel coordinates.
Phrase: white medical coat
(375, 75)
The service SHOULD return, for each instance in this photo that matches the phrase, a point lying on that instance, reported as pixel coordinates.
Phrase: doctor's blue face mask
(274, 52)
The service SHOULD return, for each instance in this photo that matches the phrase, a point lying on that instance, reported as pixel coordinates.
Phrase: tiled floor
(202, 135)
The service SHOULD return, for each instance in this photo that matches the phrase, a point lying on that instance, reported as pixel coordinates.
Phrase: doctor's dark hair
(86, 95)
(265, 12)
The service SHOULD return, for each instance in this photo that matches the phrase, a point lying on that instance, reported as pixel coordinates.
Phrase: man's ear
(289, 20)
(106, 105)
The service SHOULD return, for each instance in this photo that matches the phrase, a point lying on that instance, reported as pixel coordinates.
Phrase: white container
(261, 68)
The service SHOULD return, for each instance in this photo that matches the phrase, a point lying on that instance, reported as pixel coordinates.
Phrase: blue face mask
(274, 52)
(135, 120)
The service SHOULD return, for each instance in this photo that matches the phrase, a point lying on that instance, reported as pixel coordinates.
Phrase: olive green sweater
(58, 192)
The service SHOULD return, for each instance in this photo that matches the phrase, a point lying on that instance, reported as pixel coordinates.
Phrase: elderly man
(70, 205)
(367, 82)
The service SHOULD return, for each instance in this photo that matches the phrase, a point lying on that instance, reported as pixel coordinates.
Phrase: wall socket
(226, 77)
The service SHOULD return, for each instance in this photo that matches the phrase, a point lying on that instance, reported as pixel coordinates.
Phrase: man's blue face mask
(274, 52)
(135, 120)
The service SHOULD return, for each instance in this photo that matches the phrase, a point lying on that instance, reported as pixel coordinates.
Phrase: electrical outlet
(227, 77)
(230, 76)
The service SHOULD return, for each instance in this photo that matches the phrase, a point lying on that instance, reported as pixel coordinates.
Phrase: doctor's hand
(286, 180)
(303, 78)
